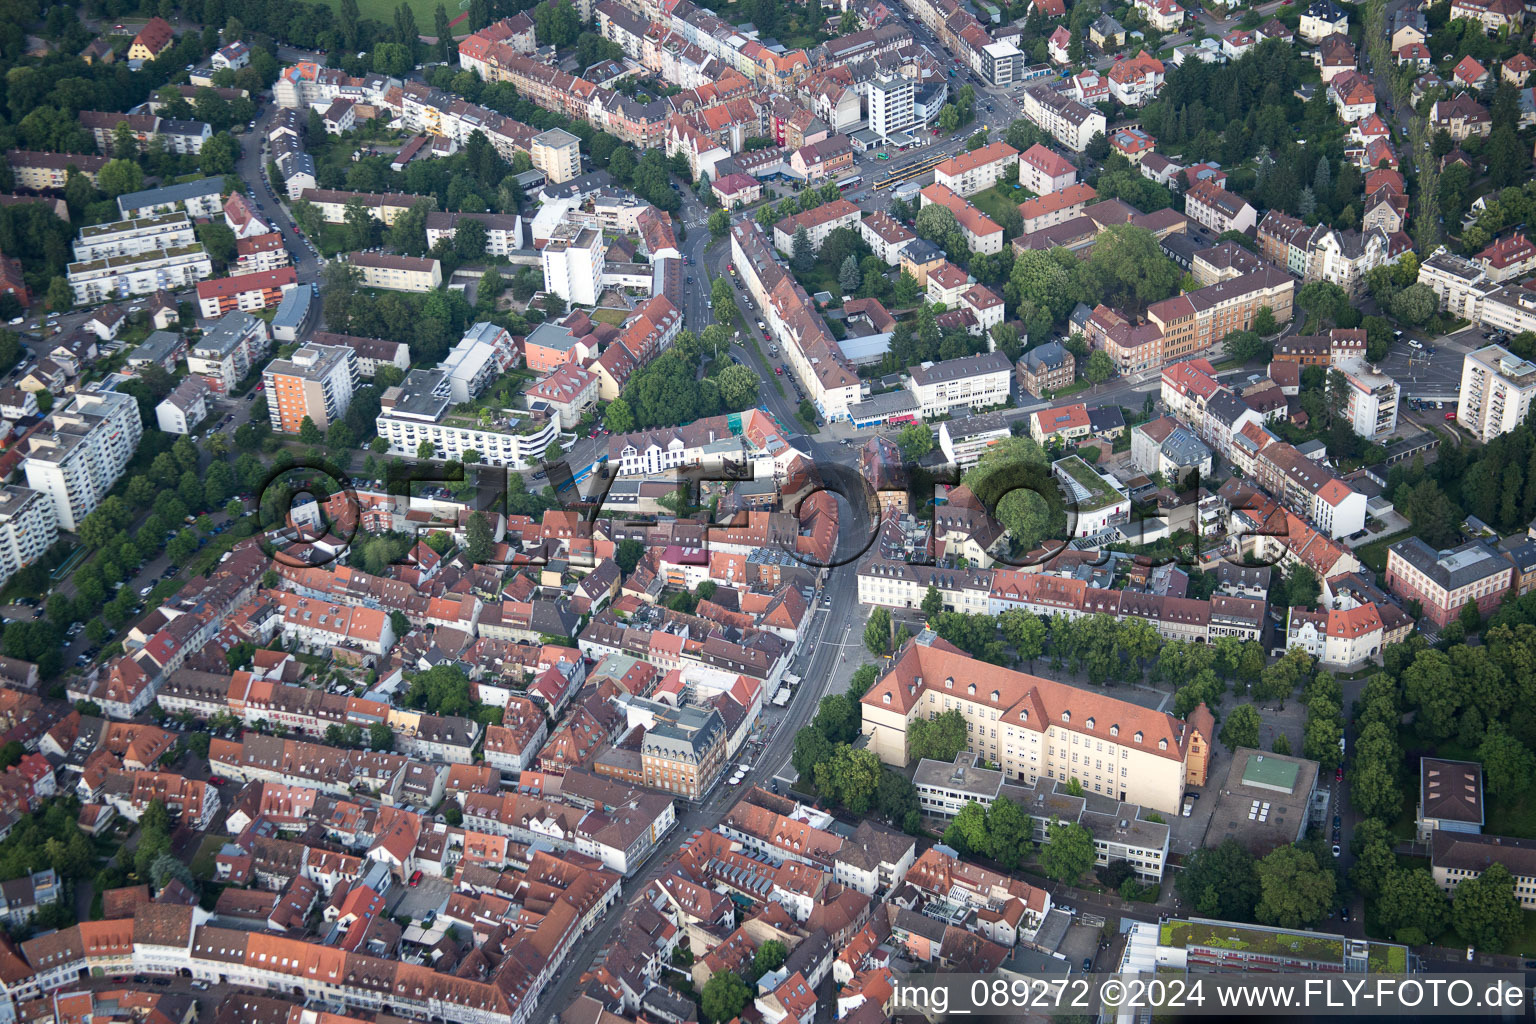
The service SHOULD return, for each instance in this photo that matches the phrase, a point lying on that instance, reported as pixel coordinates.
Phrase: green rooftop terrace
(1253, 939)
(1096, 491)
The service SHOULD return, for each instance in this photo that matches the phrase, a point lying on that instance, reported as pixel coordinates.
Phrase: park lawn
(203, 860)
(425, 11)
(996, 202)
(1523, 942)
(1374, 555)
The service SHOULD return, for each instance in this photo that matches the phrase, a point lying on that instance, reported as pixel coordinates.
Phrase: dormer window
(995, 696)
(1114, 730)
(1137, 737)
(949, 684)
(971, 689)
(1066, 716)
(1024, 715)
(1089, 723)
(1162, 744)
(887, 698)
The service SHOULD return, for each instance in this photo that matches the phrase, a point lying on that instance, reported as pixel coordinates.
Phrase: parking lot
(417, 901)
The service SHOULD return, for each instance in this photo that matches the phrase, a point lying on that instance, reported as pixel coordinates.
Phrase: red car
(779, 370)
(215, 780)
(1338, 775)
(1451, 416)
(415, 879)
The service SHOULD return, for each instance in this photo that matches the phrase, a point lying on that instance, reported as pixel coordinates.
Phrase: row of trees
(670, 390)
(1294, 886)
(1466, 693)
(831, 767)
(1496, 483)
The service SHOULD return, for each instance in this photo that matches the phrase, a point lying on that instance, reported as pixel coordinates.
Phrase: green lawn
(1374, 555)
(608, 316)
(425, 11)
(997, 201)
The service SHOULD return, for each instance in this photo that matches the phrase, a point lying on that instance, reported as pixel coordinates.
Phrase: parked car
(416, 878)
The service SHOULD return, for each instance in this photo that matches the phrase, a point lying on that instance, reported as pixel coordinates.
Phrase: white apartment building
(418, 409)
(965, 174)
(970, 382)
(1340, 637)
(28, 527)
(574, 260)
(1372, 403)
(1496, 391)
(1458, 282)
(184, 408)
(117, 277)
(503, 231)
(1043, 171)
(964, 441)
(484, 352)
(317, 382)
(397, 273)
(162, 231)
(227, 352)
(1073, 124)
(891, 108)
(81, 450)
(1094, 501)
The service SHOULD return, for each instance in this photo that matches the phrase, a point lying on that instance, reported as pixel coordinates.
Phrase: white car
(1415, 343)
(1189, 806)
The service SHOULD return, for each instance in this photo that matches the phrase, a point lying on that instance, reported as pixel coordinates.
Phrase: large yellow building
(1037, 728)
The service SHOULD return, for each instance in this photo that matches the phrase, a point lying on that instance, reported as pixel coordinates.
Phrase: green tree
(1486, 911)
(877, 632)
(1415, 304)
(933, 603)
(1099, 367)
(769, 957)
(915, 441)
(802, 256)
(967, 833)
(1411, 907)
(1295, 892)
(1221, 881)
(1068, 851)
(725, 993)
(811, 749)
(849, 276)
(1325, 301)
(628, 554)
(444, 33)
(1025, 631)
(940, 738)
(1241, 729)
(850, 778)
(308, 432)
(119, 177)
(738, 387)
(480, 540)
(722, 302)
(719, 224)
